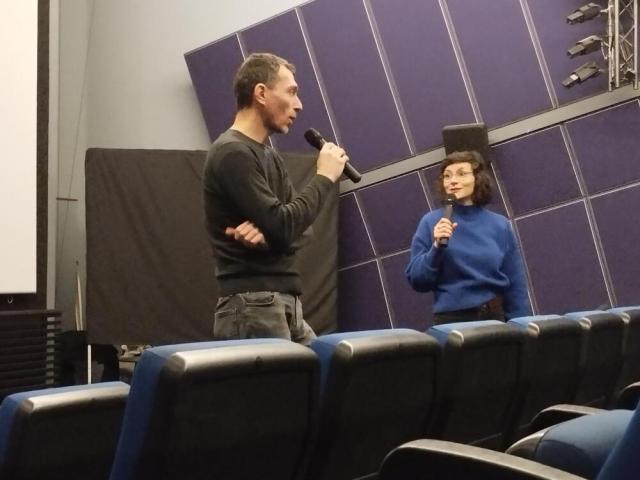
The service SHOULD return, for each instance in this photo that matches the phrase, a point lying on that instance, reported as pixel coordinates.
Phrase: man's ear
(259, 93)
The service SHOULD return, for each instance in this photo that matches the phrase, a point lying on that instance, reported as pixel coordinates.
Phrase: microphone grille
(450, 199)
(314, 138)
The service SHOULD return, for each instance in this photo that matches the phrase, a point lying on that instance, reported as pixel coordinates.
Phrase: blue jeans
(261, 315)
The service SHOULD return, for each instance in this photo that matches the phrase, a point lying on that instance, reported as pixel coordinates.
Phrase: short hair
(483, 189)
(257, 68)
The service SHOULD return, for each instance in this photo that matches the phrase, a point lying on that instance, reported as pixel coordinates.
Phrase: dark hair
(257, 68)
(483, 188)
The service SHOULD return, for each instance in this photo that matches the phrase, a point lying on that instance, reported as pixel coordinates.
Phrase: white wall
(123, 83)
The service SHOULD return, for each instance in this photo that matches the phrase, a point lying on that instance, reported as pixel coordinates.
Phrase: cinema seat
(378, 391)
(603, 356)
(554, 366)
(66, 433)
(429, 459)
(630, 372)
(236, 409)
(600, 447)
(484, 372)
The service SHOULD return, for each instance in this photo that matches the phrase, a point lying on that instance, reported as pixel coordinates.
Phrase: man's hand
(247, 234)
(331, 161)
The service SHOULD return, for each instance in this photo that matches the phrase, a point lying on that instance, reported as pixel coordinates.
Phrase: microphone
(449, 202)
(317, 141)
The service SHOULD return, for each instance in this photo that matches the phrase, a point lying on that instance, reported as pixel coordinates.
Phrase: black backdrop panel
(150, 273)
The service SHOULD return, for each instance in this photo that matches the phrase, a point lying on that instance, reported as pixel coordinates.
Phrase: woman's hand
(443, 229)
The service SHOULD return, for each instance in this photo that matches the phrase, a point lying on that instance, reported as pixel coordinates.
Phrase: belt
(493, 305)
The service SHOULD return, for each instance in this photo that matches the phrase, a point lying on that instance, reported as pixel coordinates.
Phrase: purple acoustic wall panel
(556, 37)
(409, 309)
(212, 69)
(353, 242)
(606, 146)
(619, 227)
(424, 67)
(501, 60)
(392, 210)
(282, 35)
(431, 175)
(361, 304)
(367, 120)
(562, 261)
(430, 178)
(536, 171)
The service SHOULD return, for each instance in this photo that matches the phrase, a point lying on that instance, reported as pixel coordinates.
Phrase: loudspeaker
(468, 136)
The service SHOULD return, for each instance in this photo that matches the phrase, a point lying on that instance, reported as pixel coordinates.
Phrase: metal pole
(635, 44)
(610, 41)
(616, 63)
(88, 364)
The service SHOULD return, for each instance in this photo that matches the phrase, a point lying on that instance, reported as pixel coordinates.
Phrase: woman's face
(458, 179)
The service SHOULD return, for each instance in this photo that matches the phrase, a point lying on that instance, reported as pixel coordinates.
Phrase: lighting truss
(622, 35)
(619, 46)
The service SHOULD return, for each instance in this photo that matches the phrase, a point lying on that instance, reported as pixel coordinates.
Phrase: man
(255, 219)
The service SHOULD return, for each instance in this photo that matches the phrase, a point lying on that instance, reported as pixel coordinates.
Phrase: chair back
(378, 390)
(483, 377)
(630, 372)
(61, 433)
(232, 409)
(602, 356)
(555, 345)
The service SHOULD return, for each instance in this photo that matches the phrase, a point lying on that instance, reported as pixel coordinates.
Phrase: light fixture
(581, 74)
(587, 45)
(584, 13)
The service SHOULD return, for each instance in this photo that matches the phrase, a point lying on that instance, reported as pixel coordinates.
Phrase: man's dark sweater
(246, 180)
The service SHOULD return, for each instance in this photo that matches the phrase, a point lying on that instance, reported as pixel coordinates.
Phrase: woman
(479, 274)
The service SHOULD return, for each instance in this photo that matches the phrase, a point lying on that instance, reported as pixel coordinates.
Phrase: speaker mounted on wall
(468, 136)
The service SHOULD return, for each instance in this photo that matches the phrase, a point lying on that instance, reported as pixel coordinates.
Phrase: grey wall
(384, 76)
(121, 82)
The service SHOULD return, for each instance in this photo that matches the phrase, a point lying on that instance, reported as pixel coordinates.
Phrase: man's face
(282, 104)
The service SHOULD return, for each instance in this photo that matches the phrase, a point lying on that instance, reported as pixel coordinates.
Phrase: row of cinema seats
(602, 446)
(271, 409)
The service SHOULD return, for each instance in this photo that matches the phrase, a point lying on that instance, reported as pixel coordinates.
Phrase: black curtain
(150, 272)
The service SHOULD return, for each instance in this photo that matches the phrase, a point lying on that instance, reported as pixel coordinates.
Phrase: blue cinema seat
(66, 433)
(630, 372)
(601, 447)
(579, 446)
(378, 390)
(555, 364)
(603, 356)
(237, 409)
(483, 375)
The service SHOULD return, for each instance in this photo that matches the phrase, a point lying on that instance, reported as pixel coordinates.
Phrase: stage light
(586, 45)
(581, 74)
(584, 13)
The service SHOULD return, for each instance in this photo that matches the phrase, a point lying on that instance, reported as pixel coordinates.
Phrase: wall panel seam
(384, 59)
(316, 70)
(537, 47)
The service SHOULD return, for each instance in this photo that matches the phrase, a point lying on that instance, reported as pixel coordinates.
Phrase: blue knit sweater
(481, 261)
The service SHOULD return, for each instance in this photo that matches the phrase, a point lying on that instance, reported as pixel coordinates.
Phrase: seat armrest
(559, 413)
(628, 398)
(425, 459)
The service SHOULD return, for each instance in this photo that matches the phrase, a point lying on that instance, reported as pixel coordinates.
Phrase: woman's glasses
(460, 174)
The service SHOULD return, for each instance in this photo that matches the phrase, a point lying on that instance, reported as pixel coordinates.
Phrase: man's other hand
(247, 234)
